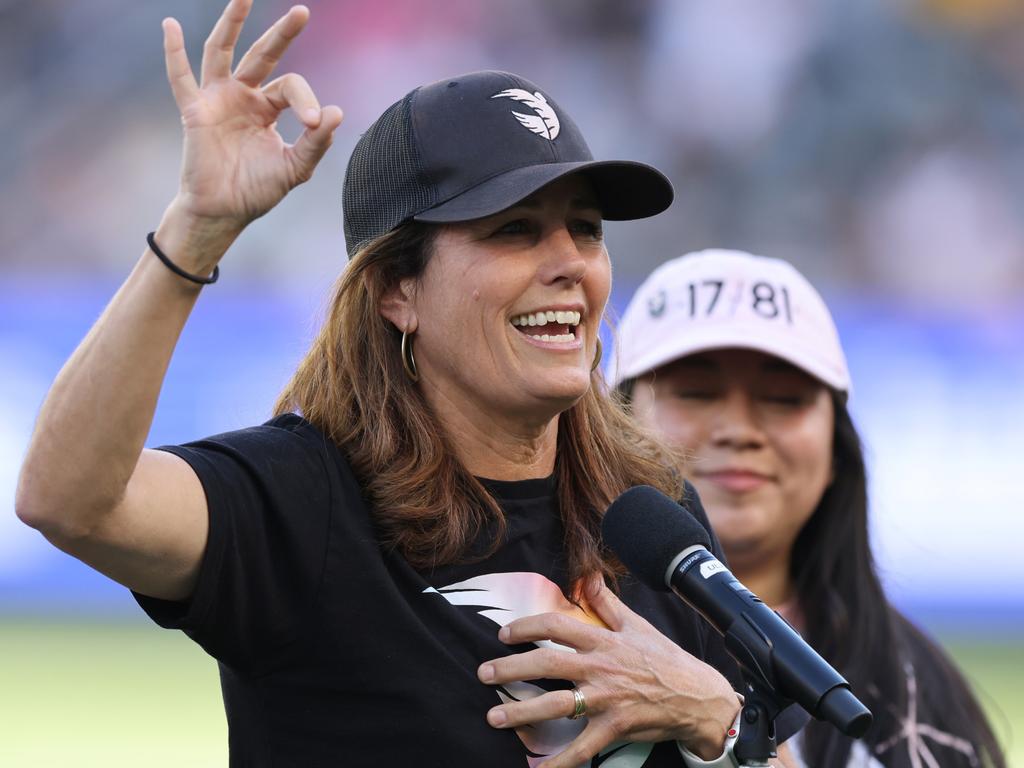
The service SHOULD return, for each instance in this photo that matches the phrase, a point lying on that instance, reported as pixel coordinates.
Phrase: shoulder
(288, 428)
(285, 439)
(929, 669)
(920, 652)
(287, 459)
(941, 704)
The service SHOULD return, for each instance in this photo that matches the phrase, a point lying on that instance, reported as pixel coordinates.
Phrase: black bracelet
(178, 270)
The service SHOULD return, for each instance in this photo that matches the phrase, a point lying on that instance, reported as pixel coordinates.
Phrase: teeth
(547, 316)
(560, 338)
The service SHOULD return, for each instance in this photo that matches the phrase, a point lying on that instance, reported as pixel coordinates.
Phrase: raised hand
(236, 166)
(638, 684)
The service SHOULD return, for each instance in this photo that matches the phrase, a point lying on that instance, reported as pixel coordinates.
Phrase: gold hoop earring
(408, 359)
(597, 357)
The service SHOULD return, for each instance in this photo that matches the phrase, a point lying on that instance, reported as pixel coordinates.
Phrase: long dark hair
(851, 623)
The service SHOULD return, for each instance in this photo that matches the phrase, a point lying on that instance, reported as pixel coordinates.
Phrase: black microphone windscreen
(646, 530)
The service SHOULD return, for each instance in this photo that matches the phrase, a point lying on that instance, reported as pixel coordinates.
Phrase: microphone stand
(756, 741)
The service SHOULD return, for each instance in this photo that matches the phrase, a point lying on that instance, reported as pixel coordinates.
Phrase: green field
(119, 694)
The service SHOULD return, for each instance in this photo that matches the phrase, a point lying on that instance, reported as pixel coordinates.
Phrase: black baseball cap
(471, 146)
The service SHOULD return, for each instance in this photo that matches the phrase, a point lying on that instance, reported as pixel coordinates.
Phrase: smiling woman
(541, 258)
(735, 359)
(762, 429)
(393, 569)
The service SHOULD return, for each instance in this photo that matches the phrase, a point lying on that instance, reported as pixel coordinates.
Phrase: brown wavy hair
(352, 386)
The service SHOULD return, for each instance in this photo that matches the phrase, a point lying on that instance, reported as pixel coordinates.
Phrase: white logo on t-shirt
(502, 597)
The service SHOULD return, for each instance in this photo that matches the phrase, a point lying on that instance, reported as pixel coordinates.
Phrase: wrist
(194, 243)
(723, 756)
(717, 724)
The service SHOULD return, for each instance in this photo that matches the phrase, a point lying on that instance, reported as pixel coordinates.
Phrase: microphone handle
(764, 643)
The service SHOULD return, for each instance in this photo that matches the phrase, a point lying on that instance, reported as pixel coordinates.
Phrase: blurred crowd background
(877, 144)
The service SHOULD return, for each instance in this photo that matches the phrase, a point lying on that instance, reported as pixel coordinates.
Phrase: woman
(735, 360)
(391, 571)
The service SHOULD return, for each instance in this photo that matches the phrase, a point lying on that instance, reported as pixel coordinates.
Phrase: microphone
(665, 547)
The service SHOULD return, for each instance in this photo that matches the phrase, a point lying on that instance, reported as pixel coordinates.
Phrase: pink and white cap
(715, 299)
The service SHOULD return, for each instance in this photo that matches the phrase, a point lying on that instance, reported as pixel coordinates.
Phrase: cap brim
(625, 190)
(730, 338)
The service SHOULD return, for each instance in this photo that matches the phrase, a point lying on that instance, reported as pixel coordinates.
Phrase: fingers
(219, 49)
(179, 72)
(293, 91)
(532, 665)
(593, 739)
(551, 626)
(606, 604)
(259, 61)
(549, 706)
(313, 143)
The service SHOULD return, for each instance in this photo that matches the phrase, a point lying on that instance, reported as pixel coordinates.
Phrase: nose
(735, 423)
(562, 262)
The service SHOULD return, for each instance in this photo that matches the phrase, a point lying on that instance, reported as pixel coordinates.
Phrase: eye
(588, 228)
(694, 393)
(789, 401)
(515, 227)
(787, 397)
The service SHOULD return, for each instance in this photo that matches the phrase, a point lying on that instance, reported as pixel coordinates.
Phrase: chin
(747, 520)
(740, 548)
(562, 392)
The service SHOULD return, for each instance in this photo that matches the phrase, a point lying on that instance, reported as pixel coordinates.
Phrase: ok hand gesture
(236, 166)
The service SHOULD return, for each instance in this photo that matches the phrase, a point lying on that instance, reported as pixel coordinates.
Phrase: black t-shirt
(335, 652)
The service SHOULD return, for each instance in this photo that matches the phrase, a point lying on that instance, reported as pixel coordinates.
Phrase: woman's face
(760, 434)
(508, 309)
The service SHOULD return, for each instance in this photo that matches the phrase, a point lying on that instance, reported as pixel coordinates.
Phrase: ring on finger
(579, 705)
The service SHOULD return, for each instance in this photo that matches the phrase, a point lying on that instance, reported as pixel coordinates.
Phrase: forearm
(95, 419)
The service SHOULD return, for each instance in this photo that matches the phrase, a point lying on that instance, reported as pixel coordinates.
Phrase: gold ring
(580, 704)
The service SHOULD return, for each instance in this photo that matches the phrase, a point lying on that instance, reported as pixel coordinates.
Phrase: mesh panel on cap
(384, 184)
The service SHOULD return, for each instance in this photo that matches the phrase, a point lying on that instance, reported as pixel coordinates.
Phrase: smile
(736, 480)
(551, 326)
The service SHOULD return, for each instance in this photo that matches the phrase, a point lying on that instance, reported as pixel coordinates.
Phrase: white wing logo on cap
(544, 123)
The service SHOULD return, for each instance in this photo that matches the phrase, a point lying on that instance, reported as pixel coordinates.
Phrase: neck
(497, 446)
